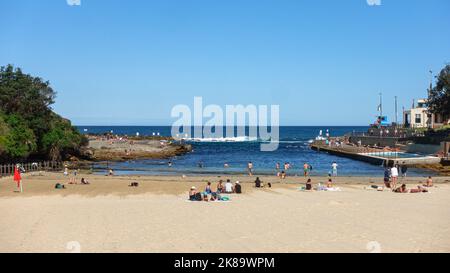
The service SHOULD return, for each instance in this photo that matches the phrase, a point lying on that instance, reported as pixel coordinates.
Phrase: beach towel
(216, 201)
(333, 189)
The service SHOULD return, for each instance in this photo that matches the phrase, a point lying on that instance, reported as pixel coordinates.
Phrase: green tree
(61, 140)
(439, 101)
(26, 96)
(28, 126)
(20, 140)
(4, 131)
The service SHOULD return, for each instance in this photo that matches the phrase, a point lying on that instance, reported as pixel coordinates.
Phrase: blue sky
(323, 61)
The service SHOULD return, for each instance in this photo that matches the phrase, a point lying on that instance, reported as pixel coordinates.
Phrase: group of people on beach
(328, 186)
(392, 174)
(210, 195)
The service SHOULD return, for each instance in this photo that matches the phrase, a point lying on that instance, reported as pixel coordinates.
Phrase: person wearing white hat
(192, 193)
(237, 187)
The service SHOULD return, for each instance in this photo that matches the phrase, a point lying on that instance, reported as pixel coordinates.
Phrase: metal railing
(8, 169)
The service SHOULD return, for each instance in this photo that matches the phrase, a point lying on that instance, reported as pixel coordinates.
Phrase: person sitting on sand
(308, 185)
(219, 187)
(330, 183)
(237, 187)
(110, 172)
(59, 186)
(429, 182)
(228, 186)
(84, 181)
(208, 188)
(283, 175)
(192, 193)
(257, 183)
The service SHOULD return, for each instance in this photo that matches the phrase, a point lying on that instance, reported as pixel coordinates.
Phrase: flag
(17, 177)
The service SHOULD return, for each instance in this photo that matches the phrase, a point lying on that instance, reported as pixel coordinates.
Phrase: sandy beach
(109, 216)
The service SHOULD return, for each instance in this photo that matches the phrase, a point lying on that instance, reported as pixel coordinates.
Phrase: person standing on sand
(404, 169)
(334, 167)
(394, 176)
(387, 176)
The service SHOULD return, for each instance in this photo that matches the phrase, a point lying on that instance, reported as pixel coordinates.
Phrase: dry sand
(109, 216)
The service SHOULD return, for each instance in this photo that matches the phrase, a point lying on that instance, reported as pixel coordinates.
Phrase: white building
(419, 117)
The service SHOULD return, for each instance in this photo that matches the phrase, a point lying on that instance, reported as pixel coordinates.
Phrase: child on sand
(329, 183)
(429, 182)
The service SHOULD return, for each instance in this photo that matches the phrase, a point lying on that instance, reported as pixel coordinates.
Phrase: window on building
(418, 118)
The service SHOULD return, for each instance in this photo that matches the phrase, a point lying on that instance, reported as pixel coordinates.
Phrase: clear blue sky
(324, 62)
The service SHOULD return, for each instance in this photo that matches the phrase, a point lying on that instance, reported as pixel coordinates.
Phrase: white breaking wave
(222, 139)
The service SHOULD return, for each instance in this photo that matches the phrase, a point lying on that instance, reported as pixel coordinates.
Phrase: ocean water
(238, 151)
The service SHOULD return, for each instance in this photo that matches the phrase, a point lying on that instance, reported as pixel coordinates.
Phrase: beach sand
(109, 216)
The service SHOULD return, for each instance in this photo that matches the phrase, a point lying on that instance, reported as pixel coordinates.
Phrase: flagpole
(381, 104)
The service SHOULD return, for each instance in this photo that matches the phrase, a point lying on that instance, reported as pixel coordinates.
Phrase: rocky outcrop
(121, 150)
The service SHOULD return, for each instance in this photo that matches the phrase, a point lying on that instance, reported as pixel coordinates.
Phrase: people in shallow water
(250, 168)
(305, 169)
